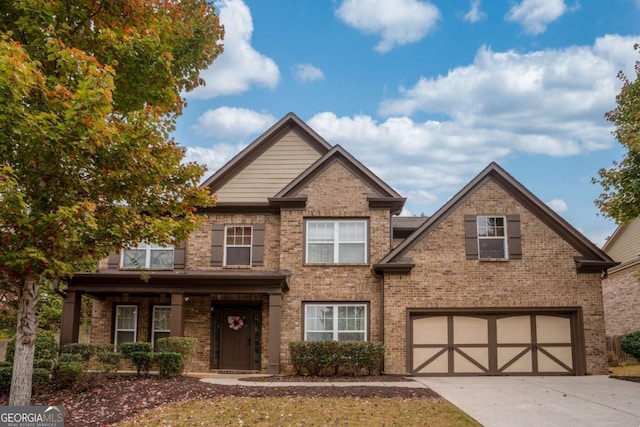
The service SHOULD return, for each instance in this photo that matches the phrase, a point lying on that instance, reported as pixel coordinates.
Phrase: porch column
(176, 318)
(275, 306)
(70, 327)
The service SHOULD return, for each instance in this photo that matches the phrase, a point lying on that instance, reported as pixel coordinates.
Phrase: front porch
(195, 304)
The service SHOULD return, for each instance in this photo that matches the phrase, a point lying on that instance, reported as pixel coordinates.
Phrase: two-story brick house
(304, 244)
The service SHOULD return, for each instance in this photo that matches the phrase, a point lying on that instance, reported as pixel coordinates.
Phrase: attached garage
(531, 342)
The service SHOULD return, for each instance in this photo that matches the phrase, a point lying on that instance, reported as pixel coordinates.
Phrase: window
(237, 245)
(161, 324)
(336, 242)
(335, 322)
(148, 256)
(126, 324)
(492, 242)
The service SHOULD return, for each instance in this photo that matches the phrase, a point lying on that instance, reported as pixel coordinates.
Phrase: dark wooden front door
(236, 338)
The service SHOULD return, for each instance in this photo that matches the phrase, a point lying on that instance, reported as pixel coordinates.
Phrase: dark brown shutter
(471, 236)
(217, 245)
(113, 262)
(257, 258)
(179, 256)
(513, 236)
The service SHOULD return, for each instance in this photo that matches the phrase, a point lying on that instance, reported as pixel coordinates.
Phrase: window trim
(336, 305)
(336, 242)
(148, 248)
(152, 327)
(225, 245)
(504, 237)
(115, 323)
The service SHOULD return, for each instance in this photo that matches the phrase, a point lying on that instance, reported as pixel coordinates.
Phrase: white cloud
(475, 14)
(306, 73)
(398, 22)
(558, 205)
(212, 157)
(228, 122)
(535, 15)
(240, 66)
(549, 102)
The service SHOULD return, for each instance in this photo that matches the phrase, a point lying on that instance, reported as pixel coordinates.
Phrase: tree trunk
(25, 344)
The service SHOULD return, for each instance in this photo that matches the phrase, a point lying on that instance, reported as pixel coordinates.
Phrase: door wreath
(235, 322)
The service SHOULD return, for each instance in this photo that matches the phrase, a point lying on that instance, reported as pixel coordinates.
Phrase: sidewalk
(235, 379)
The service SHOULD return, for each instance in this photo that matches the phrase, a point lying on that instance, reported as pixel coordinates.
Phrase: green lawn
(305, 411)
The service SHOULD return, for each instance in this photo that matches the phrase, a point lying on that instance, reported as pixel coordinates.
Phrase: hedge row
(336, 357)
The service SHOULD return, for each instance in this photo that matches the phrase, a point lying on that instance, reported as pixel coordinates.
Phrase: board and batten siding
(270, 172)
(625, 245)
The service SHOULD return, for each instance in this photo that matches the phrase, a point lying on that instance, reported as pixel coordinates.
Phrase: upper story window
(493, 237)
(237, 245)
(336, 242)
(492, 241)
(148, 256)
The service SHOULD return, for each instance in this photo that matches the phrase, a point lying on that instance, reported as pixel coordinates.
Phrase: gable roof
(384, 196)
(288, 123)
(593, 258)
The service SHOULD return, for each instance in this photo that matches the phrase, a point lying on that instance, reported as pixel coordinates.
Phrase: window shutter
(471, 236)
(113, 262)
(179, 255)
(217, 245)
(513, 236)
(257, 256)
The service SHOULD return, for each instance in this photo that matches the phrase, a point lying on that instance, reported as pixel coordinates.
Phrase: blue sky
(428, 93)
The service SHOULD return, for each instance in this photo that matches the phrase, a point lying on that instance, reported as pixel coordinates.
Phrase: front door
(236, 339)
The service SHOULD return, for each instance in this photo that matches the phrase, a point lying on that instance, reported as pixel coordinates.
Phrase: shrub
(169, 364)
(127, 348)
(630, 344)
(43, 364)
(5, 364)
(66, 374)
(104, 348)
(71, 357)
(85, 350)
(46, 346)
(320, 357)
(186, 346)
(142, 360)
(109, 361)
(5, 378)
(612, 359)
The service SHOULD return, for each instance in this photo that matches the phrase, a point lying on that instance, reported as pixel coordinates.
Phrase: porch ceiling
(102, 284)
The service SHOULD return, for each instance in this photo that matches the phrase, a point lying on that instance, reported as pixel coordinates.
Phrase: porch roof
(187, 282)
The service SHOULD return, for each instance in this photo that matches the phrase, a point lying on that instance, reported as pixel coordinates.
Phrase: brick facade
(443, 278)
(621, 291)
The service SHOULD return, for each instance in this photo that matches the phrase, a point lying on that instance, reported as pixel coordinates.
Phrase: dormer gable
(591, 258)
(382, 195)
(268, 164)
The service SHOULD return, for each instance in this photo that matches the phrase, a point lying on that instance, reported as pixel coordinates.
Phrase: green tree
(89, 94)
(621, 183)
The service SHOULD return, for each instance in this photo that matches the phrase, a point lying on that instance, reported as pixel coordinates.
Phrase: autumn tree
(89, 94)
(621, 183)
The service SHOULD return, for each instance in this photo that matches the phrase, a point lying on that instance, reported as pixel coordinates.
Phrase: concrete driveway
(542, 401)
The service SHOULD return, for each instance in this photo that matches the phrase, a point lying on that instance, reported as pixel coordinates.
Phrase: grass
(626, 370)
(305, 411)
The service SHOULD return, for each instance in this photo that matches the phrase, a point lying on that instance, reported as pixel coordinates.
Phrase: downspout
(381, 321)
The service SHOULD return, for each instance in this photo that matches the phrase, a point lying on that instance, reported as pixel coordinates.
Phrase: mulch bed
(632, 379)
(101, 401)
(328, 379)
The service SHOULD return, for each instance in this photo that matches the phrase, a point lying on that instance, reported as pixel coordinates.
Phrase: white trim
(336, 242)
(148, 248)
(135, 320)
(225, 245)
(335, 331)
(504, 237)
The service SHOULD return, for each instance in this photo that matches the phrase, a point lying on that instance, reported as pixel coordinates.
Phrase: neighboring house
(304, 245)
(621, 288)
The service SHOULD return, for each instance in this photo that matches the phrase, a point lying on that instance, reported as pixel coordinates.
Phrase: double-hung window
(161, 324)
(148, 256)
(492, 241)
(335, 322)
(336, 242)
(237, 245)
(126, 324)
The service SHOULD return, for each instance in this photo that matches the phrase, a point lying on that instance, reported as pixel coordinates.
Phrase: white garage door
(492, 344)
